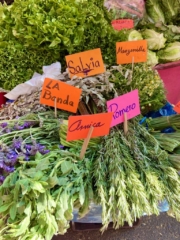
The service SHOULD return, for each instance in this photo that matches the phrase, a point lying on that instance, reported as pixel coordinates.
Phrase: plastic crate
(170, 74)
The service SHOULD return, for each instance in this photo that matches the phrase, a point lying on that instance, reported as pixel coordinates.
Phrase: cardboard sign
(127, 103)
(67, 97)
(122, 23)
(177, 107)
(85, 64)
(132, 51)
(78, 126)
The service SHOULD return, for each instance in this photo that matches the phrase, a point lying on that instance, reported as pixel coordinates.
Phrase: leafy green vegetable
(170, 8)
(141, 77)
(134, 35)
(152, 58)
(37, 33)
(132, 174)
(154, 11)
(171, 53)
(154, 39)
(41, 208)
(18, 63)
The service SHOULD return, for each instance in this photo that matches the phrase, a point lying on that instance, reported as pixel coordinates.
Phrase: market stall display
(129, 171)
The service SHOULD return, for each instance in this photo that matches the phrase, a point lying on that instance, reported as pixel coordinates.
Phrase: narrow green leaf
(81, 195)
(4, 207)
(66, 166)
(13, 211)
(37, 186)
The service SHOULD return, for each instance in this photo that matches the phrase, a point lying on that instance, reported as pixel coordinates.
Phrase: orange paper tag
(122, 23)
(132, 51)
(78, 126)
(177, 107)
(67, 97)
(85, 64)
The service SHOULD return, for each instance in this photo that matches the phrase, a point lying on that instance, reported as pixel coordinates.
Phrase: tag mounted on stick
(125, 124)
(86, 142)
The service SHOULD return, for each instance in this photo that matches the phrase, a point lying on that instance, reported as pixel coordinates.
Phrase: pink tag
(127, 103)
(122, 23)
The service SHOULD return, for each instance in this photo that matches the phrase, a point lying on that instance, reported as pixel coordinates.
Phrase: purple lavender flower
(27, 158)
(9, 169)
(11, 158)
(17, 127)
(2, 165)
(61, 146)
(7, 130)
(3, 125)
(28, 147)
(44, 151)
(17, 144)
(2, 178)
(28, 124)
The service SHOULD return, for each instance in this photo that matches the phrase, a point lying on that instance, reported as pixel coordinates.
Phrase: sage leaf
(13, 211)
(66, 166)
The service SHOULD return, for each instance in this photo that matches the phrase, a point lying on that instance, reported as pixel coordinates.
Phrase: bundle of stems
(41, 127)
(168, 140)
(132, 174)
(175, 160)
(160, 123)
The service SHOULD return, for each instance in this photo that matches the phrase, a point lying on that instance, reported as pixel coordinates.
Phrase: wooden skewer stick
(86, 142)
(55, 108)
(125, 123)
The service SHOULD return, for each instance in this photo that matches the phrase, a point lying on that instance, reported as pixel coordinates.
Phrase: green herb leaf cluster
(44, 31)
(37, 200)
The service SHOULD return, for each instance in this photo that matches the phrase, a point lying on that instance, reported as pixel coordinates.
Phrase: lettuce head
(171, 53)
(134, 35)
(152, 58)
(155, 40)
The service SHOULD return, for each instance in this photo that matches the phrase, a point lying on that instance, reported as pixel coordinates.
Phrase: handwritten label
(127, 103)
(132, 51)
(78, 126)
(85, 64)
(67, 97)
(122, 23)
(177, 107)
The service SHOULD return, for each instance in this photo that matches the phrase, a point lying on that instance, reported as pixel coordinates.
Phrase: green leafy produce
(132, 174)
(36, 201)
(170, 9)
(152, 58)
(171, 53)
(154, 11)
(43, 127)
(175, 160)
(161, 123)
(36, 33)
(165, 11)
(167, 141)
(134, 35)
(154, 39)
(141, 77)
(19, 63)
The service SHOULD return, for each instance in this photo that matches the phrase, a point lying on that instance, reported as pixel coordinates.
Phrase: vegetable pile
(169, 140)
(160, 26)
(47, 31)
(42, 179)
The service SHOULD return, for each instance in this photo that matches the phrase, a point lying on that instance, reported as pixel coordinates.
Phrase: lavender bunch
(18, 150)
(11, 125)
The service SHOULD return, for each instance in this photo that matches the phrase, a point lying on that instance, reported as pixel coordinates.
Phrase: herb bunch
(132, 174)
(150, 86)
(36, 33)
(37, 200)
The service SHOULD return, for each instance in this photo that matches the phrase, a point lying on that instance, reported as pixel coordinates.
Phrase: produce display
(127, 172)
